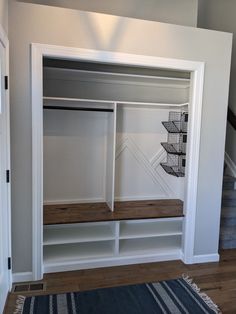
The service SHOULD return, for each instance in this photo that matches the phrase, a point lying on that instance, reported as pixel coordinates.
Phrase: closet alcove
(107, 198)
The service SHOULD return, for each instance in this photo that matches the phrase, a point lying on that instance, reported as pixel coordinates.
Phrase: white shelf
(65, 253)
(150, 228)
(105, 103)
(89, 102)
(97, 244)
(165, 245)
(78, 233)
(52, 73)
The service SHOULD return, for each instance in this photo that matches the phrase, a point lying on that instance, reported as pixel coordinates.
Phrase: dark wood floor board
(73, 213)
(218, 280)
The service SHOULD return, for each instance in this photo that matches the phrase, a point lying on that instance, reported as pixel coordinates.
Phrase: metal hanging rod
(78, 108)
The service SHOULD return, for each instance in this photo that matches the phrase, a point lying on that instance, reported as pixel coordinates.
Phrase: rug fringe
(19, 304)
(203, 295)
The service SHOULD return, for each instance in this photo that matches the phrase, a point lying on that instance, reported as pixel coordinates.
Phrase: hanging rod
(78, 108)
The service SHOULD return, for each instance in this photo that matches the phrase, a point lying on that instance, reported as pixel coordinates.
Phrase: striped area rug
(170, 297)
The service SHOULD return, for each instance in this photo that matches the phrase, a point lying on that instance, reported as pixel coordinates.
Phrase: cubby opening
(150, 228)
(141, 246)
(74, 252)
(78, 233)
(108, 150)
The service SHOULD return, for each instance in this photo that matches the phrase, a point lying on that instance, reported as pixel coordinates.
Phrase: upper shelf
(103, 104)
(52, 73)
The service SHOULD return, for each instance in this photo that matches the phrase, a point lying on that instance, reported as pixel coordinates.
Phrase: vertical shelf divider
(117, 238)
(111, 151)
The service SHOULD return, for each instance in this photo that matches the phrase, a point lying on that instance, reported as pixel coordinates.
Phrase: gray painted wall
(4, 14)
(32, 23)
(220, 15)
(182, 12)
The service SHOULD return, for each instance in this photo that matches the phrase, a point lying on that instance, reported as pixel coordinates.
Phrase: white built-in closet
(103, 146)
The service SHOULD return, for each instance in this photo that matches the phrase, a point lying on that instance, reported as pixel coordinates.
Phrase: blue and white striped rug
(170, 297)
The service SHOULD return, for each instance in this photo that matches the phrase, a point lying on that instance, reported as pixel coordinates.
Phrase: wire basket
(176, 143)
(177, 123)
(175, 165)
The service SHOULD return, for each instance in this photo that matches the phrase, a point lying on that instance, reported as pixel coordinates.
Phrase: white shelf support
(110, 166)
(117, 238)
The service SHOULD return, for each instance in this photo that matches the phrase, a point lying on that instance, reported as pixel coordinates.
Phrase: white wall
(75, 142)
(220, 15)
(33, 23)
(68, 84)
(182, 12)
(75, 156)
(138, 173)
(4, 14)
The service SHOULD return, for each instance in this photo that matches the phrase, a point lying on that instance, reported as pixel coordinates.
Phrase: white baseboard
(140, 198)
(111, 261)
(101, 200)
(74, 201)
(22, 277)
(207, 258)
(230, 164)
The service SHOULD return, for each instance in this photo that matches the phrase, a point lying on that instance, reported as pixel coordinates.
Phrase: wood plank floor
(73, 213)
(218, 280)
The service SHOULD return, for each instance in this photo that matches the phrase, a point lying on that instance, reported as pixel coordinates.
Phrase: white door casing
(5, 217)
(38, 51)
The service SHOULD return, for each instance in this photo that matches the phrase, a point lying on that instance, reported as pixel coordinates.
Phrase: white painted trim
(230, 164)
(114, 156)
(140, 198)
(146, 165)
(112, 261)
(192, 157)
(37, 162)
(22, 277)
(114, 57)
(100, 200)
(5, 42)
(197, 78)
(205, 258)
(74, 201)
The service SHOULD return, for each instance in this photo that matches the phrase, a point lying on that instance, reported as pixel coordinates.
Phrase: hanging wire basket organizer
(176, 143)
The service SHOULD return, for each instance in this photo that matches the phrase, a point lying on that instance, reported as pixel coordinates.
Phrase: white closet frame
(38, 51)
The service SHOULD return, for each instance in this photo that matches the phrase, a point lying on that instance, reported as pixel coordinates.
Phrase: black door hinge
(8, 176)
(9, 263)
(6, 82)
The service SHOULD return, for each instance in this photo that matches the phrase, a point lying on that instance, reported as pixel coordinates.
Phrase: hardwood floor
(218, 280)
(72, 213)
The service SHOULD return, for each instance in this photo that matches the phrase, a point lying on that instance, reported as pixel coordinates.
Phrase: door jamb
(5, 42)
(38, 51)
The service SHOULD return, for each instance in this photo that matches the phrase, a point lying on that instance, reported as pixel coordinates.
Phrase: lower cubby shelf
(74, 233)
(99, 244)
(64, 253)
(159, 245)
(130, 229)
